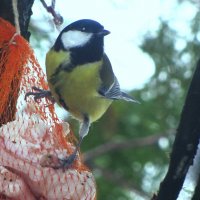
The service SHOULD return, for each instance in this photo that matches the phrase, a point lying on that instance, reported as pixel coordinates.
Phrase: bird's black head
(86, 25)
(84, 39)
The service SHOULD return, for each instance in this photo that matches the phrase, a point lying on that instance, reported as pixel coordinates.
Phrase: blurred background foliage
(128, 149)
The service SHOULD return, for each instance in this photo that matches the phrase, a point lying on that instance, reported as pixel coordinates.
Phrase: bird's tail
(127, 97)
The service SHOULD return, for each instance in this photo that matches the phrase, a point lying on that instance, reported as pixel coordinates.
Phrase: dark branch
(185, 144)
(197, 190)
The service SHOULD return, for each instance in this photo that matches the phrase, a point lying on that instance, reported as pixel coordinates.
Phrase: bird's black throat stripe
(80, 55)
(62, 67)
(61, 101)
(89, 53)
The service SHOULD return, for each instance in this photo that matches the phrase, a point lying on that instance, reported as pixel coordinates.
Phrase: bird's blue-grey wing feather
(110, 87)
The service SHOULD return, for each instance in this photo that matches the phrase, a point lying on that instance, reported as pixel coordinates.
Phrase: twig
(58, 19)
(111, 146)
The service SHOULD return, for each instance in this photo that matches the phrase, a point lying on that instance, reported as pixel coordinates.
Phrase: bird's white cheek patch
(72, 39)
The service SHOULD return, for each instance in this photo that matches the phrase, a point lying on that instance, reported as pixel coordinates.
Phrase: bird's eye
(83, 28)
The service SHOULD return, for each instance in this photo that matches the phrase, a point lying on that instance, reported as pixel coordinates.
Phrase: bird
(80, 76)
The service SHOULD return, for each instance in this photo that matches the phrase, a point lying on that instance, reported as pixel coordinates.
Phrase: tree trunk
(25, 12)
(185, 144)
(6, 12)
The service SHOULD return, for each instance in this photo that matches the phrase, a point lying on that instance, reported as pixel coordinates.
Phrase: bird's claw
(56, 163)
(39, 94)
(67, 162)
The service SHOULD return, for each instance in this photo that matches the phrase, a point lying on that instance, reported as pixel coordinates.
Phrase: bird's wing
(110, 86)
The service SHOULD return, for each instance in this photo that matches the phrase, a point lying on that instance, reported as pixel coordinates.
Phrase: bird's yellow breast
(77, 88)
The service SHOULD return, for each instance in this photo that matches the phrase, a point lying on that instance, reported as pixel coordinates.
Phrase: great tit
(80, 76)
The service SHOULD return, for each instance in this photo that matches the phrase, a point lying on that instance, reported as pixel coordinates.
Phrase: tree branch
(185, 144)
(57, 18)
(117, 146)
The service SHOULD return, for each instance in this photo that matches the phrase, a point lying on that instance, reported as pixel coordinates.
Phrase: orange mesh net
(29, 132)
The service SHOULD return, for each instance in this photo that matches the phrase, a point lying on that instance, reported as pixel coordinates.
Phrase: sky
(128, 22)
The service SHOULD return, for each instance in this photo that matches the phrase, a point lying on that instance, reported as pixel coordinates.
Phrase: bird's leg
(40, 94)
(68, 161)
(84, 129)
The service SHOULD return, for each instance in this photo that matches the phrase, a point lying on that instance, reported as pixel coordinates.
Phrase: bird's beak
(103, 33)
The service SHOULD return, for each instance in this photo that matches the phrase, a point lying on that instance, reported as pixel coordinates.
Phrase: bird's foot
(39, 93)
(56, 163)
(68, 161)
